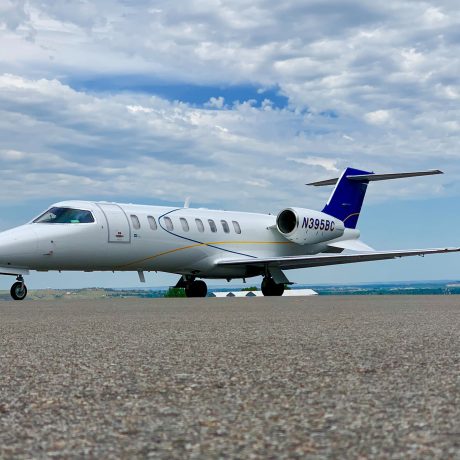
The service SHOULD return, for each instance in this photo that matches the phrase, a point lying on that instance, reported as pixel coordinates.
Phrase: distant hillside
(402, 288)
(87, 293)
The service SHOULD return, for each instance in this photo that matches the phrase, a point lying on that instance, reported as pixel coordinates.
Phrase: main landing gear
(198, 288)
(270, 288)
(193, 287)
(19, 290)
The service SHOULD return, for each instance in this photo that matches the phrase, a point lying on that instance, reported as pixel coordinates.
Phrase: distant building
(287, 293)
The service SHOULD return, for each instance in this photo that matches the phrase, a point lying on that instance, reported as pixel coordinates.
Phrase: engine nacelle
(305, 226)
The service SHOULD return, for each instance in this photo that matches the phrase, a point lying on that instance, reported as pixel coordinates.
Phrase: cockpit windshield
(65, 216)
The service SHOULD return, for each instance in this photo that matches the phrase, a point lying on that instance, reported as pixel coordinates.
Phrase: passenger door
(118, 227)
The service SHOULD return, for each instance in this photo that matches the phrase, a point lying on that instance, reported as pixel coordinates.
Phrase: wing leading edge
(292, 262)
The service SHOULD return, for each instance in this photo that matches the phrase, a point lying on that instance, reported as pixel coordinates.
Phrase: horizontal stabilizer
(377, 177)
(352, 245)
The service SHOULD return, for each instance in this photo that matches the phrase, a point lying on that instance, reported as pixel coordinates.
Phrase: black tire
(270, 288)
(18, 291)
(196, 288)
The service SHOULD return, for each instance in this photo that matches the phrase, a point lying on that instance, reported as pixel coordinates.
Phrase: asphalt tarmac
(314, 377)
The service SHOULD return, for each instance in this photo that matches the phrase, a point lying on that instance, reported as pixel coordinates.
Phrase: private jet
(198, 244)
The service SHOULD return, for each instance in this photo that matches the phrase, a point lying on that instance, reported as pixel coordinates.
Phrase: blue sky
(237, 104)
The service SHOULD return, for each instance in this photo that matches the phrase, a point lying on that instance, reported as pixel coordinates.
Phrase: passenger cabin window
(199, 225)
(135, 221)
(184, 224)
(236, 226)
(169, 224)
(152, 222)
(212, 226)
(225, 226)
(65, 216)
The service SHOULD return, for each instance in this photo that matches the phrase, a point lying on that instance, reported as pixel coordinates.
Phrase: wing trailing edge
(13, 271)
(292, 262)
(352, 245)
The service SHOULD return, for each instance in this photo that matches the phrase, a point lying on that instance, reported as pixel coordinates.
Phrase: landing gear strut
(270, 288)
(19, 290)
(193, 288)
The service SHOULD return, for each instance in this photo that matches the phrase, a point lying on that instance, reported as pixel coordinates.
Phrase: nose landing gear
(19, 290)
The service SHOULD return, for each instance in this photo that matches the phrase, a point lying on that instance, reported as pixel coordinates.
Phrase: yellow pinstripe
(200, 244)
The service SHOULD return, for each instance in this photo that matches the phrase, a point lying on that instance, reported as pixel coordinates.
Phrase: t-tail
(347, 198)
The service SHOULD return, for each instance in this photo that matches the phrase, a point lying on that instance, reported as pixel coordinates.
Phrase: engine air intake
(286, 221)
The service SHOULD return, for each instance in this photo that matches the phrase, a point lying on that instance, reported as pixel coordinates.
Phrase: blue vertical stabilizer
(347, 198)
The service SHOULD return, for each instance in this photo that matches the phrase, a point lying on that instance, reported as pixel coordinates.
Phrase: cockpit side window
(65, 216)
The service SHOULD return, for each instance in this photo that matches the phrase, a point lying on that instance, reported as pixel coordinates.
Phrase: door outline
(101, 207)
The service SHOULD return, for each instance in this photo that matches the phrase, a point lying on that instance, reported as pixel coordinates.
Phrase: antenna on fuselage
(187, 202)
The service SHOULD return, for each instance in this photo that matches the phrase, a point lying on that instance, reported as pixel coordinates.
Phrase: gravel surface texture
(316, 377)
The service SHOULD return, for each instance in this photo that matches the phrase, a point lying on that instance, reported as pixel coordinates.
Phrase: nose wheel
(19, 290)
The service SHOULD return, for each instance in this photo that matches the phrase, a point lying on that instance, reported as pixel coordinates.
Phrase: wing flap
(13, 271)
(292, 262)
(352, 245)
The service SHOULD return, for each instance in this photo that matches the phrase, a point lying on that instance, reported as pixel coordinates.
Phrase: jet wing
(320, 260)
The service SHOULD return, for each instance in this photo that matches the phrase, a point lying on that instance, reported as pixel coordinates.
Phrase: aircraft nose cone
(17, 246)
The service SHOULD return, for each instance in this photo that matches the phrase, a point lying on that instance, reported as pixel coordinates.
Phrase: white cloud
(378, 117)
(215, 102)
(433, 16)
(73, 144)
(12, 14)
(363, 79)
(12, 155)
(326, 163)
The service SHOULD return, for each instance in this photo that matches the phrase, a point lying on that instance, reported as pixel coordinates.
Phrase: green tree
(175, 292)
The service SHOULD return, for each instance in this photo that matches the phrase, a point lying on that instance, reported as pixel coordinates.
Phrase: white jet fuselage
(128, 237)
